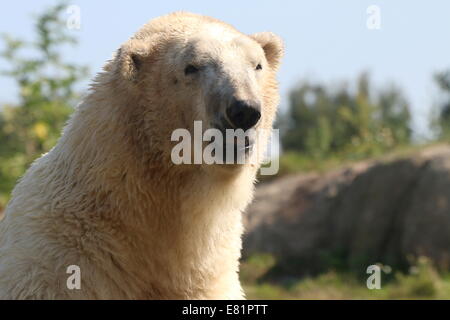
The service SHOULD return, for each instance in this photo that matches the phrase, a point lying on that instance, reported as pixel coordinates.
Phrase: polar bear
(106, 214)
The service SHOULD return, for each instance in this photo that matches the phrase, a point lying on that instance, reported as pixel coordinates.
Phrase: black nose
(243, 114)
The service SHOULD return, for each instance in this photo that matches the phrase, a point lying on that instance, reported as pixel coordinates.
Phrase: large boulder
(386, 211)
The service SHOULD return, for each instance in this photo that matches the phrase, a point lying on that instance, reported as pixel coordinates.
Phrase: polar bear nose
(243, 114)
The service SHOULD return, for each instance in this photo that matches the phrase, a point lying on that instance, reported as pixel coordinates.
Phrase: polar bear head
(183, 69)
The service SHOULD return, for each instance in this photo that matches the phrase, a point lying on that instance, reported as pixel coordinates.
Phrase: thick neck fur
(176, 229)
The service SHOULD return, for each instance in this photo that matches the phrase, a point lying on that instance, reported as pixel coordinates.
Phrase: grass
(422, 282)
(293, 162)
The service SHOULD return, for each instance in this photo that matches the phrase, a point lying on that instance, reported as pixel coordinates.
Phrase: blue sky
(326, 40)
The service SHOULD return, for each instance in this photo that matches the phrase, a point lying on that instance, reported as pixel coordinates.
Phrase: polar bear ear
(272, 46)
(131, 57)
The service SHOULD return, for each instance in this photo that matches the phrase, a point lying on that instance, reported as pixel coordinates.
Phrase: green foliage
(256, 266)
(323, 121)
(421, 282)
(442, 119)
(46, 83)
(295, 162)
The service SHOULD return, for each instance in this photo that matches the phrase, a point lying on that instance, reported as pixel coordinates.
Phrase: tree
(47, 95)
(324, 120)
(442, 121)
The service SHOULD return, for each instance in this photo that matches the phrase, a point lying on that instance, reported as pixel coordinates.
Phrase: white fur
(107, 197)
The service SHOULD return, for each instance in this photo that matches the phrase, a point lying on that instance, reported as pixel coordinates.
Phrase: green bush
(323, 120)
(47, 96)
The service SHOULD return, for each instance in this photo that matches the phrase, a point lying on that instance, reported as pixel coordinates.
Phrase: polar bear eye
(258, 67)
(190, 69)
